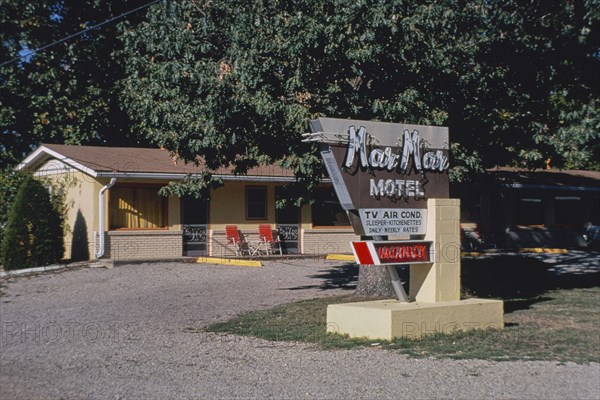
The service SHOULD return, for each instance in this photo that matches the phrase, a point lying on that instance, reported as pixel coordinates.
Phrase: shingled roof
(548, 179)
(131, 161)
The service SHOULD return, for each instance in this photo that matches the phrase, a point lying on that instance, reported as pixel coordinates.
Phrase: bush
(33, 234)
(10, 182)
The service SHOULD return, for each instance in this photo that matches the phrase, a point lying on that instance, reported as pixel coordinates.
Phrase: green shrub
(33, 234)
(10, 182)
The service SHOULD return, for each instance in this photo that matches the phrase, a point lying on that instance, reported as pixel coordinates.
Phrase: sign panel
(384, 165)
(379, 166)
(393, 221)
(392, 252)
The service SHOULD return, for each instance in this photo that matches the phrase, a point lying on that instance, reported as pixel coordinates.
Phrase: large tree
(66, 93)
(539, 94)
(516, 82)
(238, 82)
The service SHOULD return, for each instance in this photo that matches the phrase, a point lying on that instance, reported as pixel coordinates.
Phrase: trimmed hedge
(33, 236)
(10, 182)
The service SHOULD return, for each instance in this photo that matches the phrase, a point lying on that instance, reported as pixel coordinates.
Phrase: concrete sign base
(389, 319)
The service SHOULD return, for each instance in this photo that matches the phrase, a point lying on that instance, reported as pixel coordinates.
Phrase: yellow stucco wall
(306, 217)
(228, 206)
(85, 201)
(81, 198)
(82, 202)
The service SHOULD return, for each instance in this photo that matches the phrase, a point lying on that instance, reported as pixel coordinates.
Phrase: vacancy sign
(392, 252)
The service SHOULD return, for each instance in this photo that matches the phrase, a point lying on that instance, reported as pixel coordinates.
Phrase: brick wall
(137, 245)
(218, 243)
(313, 242)
(327, 241)
(159, 244)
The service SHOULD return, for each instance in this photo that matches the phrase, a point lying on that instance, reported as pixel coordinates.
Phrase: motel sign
(392, 179)
(383, 173)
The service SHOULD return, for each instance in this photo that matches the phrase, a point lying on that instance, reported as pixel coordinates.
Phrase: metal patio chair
(235, 239)
(267, 241)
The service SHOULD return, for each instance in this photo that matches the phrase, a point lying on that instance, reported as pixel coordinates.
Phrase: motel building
(115, 211)
(530, 209)
(114, 190)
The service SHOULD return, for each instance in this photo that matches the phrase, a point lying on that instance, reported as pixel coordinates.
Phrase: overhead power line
(32, 52)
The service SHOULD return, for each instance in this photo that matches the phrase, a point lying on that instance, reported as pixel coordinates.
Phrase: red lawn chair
(235, 239)
(268, 242)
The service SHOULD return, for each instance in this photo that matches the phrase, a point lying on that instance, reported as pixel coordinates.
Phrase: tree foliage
(540, 84)
(516, 82)
(238, 82)
(10, 182)
(66, 93)
(33, 235)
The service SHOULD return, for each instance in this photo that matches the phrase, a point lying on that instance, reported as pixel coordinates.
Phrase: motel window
(497, 208)
(595, 217)
(137, 207)
(568, 210)
(470, 207)
(326, 209)
(530, 211)
(256, 202)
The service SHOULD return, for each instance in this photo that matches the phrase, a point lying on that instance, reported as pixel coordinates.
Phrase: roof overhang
(43, 154)
(178, 177)
(552, 187)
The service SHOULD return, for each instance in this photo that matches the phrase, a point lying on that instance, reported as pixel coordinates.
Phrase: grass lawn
(563, 325)
(544, 322)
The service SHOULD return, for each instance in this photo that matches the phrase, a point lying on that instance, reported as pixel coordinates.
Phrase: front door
(195, 226)
(288, 227)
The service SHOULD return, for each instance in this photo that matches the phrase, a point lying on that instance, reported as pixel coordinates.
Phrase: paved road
(134, 331)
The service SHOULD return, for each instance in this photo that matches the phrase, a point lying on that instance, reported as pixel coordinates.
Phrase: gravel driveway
(134, 332)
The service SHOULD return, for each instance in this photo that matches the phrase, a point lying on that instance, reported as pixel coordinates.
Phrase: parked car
(592, 236)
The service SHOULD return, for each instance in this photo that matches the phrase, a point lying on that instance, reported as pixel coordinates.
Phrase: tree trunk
(374, 282)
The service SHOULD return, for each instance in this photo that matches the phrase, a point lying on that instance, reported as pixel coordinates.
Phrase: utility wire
(32, 52)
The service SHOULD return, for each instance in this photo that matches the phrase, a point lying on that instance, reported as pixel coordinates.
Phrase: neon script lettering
(403, 253)
(386, 159)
